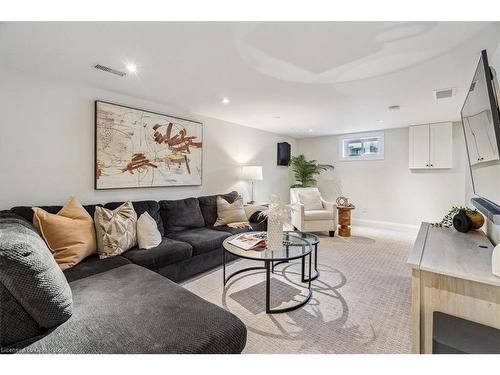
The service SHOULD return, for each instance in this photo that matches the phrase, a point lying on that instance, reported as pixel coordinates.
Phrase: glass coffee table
(294, 247)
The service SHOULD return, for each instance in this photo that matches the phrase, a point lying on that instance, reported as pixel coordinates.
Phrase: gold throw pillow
(115, 229)
(69, 234)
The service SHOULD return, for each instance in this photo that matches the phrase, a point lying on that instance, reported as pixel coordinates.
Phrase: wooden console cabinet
(451, 273)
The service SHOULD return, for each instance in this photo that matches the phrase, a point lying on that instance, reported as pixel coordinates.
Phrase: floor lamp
(252, 173)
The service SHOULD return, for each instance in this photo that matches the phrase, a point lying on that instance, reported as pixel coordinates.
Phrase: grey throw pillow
(30, 274)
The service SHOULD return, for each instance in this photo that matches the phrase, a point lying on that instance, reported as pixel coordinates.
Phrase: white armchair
(311, 213)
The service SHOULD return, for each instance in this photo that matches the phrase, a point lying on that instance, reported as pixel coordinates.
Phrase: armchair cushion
(318, 215)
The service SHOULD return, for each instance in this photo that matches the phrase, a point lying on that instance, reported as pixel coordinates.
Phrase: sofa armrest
(297, 214)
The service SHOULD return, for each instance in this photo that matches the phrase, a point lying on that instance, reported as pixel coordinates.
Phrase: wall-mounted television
(481, 124)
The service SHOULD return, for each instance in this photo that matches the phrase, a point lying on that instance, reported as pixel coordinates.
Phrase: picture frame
(138, 148)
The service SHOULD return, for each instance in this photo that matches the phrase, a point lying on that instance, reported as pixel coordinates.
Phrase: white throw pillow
(148, 235)
(228, 213)
(311, 199)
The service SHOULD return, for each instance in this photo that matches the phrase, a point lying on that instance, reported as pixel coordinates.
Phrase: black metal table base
(303, 261)
(269, 267)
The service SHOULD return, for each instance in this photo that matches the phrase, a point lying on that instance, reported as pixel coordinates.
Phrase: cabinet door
(419, 146)
(441, 148)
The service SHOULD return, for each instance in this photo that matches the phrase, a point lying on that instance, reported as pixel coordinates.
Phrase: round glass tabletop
(294, 247)
(309, 237)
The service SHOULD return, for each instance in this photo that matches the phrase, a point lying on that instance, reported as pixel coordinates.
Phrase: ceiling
(295, 78)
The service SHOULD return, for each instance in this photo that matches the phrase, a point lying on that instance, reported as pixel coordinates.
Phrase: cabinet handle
(427, 165)
(432, 165)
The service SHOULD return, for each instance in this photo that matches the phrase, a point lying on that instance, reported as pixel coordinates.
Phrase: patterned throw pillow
(229, 213)
(115, 230)
(69, 234)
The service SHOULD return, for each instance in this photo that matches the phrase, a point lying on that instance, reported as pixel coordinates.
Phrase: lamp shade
(252, 172)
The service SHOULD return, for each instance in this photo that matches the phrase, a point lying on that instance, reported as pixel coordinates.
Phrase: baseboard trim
(386, 225)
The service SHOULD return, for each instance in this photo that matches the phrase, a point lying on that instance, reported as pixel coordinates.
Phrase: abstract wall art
(135, 148)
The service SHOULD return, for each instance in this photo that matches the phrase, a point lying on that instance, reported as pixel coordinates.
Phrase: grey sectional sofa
(128, 303)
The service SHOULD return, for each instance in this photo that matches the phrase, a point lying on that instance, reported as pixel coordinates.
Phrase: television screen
(481, 123)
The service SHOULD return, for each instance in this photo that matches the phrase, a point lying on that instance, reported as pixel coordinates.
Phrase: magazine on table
(250, 241)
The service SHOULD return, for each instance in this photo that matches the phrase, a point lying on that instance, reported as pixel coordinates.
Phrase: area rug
(360, 303)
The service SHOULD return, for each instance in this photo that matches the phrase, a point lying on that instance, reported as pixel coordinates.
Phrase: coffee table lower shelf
(269, 268)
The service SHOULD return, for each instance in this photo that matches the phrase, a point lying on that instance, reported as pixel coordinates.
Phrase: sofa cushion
(202, 239)
(318, 215)
(225, 228)
(167, 252)
(93, 265)
(208, 206)
(27, 212)
(178, 215)
(134, 310)
(151, 207)
(31, 276)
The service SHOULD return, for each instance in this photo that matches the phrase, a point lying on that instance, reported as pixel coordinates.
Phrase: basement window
(362, 146)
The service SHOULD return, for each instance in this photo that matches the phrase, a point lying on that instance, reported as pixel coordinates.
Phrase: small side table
(344, 217)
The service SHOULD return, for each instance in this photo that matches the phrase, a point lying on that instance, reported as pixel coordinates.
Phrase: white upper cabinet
(441, 149)
(431, 146)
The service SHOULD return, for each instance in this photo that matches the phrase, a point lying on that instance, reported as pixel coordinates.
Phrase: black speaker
(283, 153)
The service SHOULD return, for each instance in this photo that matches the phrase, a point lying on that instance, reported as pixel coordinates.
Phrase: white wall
(47, 147)
(386, 190)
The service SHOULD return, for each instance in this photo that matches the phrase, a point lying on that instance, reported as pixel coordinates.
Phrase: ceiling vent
(109, 70)
(443, 93)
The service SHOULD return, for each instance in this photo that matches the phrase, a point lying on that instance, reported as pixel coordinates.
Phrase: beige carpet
(360, 304)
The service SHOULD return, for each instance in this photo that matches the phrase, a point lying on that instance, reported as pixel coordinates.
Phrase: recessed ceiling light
(225, 101)
(310, 130)
(380, 121)
(131, 68)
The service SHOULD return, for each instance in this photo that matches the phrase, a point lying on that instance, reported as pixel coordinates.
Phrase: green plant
(305, 170)
(447, 220)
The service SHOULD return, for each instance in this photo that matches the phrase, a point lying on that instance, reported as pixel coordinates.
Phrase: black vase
(461, 222)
